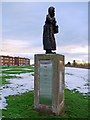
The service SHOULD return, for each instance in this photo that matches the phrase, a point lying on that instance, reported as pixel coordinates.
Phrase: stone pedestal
(49, 83)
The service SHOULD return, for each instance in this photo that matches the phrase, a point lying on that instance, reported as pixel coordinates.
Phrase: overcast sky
(22, 28)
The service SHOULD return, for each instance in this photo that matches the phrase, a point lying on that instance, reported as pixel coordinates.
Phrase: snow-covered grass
(75, 79)
(23, 83)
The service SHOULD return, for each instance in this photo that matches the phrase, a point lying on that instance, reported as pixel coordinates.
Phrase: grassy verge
(17, 72)
(3, 79)
(7, 67)
(6, 74)
(76, 106)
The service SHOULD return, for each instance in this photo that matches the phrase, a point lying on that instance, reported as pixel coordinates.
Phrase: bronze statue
(50, 28)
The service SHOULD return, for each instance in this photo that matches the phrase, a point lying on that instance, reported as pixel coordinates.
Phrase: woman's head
(51, 11)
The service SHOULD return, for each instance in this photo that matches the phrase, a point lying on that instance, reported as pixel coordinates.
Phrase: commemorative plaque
(45, 82)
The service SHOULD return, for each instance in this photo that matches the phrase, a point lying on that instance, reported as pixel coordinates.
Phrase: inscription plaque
(45, 82)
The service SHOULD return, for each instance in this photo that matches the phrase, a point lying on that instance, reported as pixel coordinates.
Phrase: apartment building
(10, 61)
(6, 60)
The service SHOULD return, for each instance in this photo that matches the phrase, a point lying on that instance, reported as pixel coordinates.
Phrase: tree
(74, 63)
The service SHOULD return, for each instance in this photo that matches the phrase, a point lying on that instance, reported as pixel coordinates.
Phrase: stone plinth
(49, 83)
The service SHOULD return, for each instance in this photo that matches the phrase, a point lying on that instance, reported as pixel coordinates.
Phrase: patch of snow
(4, 69)
(77, 78)
(23, 83)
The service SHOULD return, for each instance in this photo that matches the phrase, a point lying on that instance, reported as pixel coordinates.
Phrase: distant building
(27, 61)
(16, 59)
(10, 61)
(6, 60)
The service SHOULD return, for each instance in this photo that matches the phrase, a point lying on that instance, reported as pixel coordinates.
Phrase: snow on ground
(22, 84)
(75, 79)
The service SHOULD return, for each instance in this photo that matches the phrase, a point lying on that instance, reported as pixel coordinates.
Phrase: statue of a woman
(50, 28)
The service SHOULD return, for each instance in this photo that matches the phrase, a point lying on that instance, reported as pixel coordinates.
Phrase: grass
(76, 104)
(17, 71)
(14, 70)
(22, 106)
(3, 79)
(7, 67)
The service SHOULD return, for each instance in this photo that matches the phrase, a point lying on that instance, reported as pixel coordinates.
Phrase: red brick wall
(9, 60)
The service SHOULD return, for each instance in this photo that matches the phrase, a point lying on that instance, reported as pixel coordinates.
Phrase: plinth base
(49, 84)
